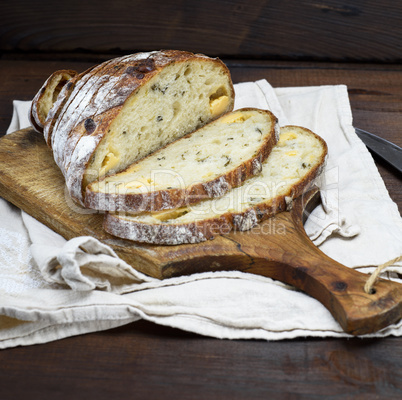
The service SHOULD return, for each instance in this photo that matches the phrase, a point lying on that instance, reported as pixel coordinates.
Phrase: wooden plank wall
(319, 30)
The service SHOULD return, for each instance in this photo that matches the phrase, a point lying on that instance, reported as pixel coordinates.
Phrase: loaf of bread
(118, 112)
(203, 164)
(292, 166)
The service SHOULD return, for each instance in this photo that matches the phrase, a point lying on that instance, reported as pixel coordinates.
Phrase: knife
(386, 150)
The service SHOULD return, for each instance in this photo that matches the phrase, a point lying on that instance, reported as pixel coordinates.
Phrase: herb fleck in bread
(293, 164)
(203, 164)
(124, 109)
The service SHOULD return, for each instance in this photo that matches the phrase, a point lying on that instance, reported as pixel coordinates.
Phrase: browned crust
(71, 111)
(74, 128)
(79, 165)
(55, 111)
(56, 81)
(130, 85)
(66, 101)
(58, 106)
(174, 198)
(173, 234)
(33, 119)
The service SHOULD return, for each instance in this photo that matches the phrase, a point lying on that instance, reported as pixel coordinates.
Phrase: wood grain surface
(143, 360)
(146, 361)
(362, 30)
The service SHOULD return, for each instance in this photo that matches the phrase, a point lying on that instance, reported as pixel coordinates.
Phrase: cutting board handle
(338, 288)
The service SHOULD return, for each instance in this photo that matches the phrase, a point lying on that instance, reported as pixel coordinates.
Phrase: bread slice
(124, 109)
(293, 164)
(47, 96)
(203, 164)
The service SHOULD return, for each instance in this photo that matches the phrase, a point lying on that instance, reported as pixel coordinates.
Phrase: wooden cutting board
(277, 248)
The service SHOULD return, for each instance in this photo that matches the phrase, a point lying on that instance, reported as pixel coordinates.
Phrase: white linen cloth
(51, 288)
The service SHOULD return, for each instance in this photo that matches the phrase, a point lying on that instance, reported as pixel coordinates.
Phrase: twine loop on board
(369, 286)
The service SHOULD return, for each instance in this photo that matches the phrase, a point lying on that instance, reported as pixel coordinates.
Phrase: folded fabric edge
(205, 327)
(53, 332)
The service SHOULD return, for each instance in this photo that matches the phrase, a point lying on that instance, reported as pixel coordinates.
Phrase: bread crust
(79, 106)
(55, 82)
(194, 232)
(174, 198)
(59, 106)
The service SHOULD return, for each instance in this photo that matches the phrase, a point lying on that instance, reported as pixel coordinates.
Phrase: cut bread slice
(203, 164)
(290, 169)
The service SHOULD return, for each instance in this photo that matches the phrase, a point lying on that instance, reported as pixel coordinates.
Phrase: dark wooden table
(143, 360)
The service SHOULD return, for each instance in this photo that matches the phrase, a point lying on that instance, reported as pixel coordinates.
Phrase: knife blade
(386, 150)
